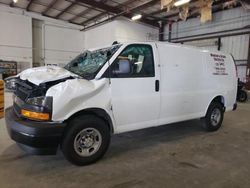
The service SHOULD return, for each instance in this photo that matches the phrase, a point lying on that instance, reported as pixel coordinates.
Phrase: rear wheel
(214, 117)
(86, 140)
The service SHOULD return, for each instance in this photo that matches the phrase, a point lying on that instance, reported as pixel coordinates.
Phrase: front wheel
(86, 140)
(214, 117)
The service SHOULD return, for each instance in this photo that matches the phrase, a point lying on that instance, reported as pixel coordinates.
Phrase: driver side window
(135, 61)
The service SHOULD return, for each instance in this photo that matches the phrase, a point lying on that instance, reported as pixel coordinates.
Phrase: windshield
(89, 63)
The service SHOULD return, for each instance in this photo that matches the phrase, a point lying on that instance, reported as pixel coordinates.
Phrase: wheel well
(96, 112)
(219, 99)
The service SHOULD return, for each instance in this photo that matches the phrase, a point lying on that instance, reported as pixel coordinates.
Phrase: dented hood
(40, 75)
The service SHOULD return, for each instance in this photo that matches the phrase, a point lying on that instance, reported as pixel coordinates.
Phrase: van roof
(201, 49)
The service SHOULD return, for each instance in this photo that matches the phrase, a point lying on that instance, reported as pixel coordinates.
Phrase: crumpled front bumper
(42, 138)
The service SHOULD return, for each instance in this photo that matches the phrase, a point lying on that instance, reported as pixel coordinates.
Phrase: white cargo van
(117, 89)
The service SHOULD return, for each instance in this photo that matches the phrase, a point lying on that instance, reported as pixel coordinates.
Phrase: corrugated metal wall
(238, 47)
(224, 20)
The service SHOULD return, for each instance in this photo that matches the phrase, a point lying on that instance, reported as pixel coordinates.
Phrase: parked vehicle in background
(241, 93)
(118, 89)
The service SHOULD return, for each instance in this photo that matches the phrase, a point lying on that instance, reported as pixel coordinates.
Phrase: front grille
(24, 89)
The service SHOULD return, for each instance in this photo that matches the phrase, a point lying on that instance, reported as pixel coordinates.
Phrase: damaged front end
(30, 100)
(29, 121)
(46, 97)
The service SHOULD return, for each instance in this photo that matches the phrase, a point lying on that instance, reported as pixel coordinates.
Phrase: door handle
(157, 85)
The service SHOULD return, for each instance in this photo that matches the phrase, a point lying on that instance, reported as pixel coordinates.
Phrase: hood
(44, 74)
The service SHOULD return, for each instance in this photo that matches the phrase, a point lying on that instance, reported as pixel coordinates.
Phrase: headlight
(40, 110)
(10, 83)
(42, 101)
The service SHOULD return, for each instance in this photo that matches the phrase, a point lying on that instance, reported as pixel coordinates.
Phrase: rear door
(136, 96)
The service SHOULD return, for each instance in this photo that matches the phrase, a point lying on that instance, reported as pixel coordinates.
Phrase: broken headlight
(10, 83)
(41, 101)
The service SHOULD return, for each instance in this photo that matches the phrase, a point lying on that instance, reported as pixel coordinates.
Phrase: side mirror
(124, 67)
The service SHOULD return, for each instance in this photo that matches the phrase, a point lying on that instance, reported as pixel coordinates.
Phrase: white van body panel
(75, 95)
(222, 77)
(190, 78)
(183, 91)
(189, 82)
(135, 103)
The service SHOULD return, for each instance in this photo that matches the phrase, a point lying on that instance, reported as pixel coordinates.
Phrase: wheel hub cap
(87, 142)
(215, 117)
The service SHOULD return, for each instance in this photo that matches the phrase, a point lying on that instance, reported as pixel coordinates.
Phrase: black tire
(242, 96)
(80, 125)
(209, 122)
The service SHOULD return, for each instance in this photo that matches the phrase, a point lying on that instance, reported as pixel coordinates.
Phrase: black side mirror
(124, 67)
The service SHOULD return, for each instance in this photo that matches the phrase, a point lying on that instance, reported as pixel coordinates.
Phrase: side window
(134, 61)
